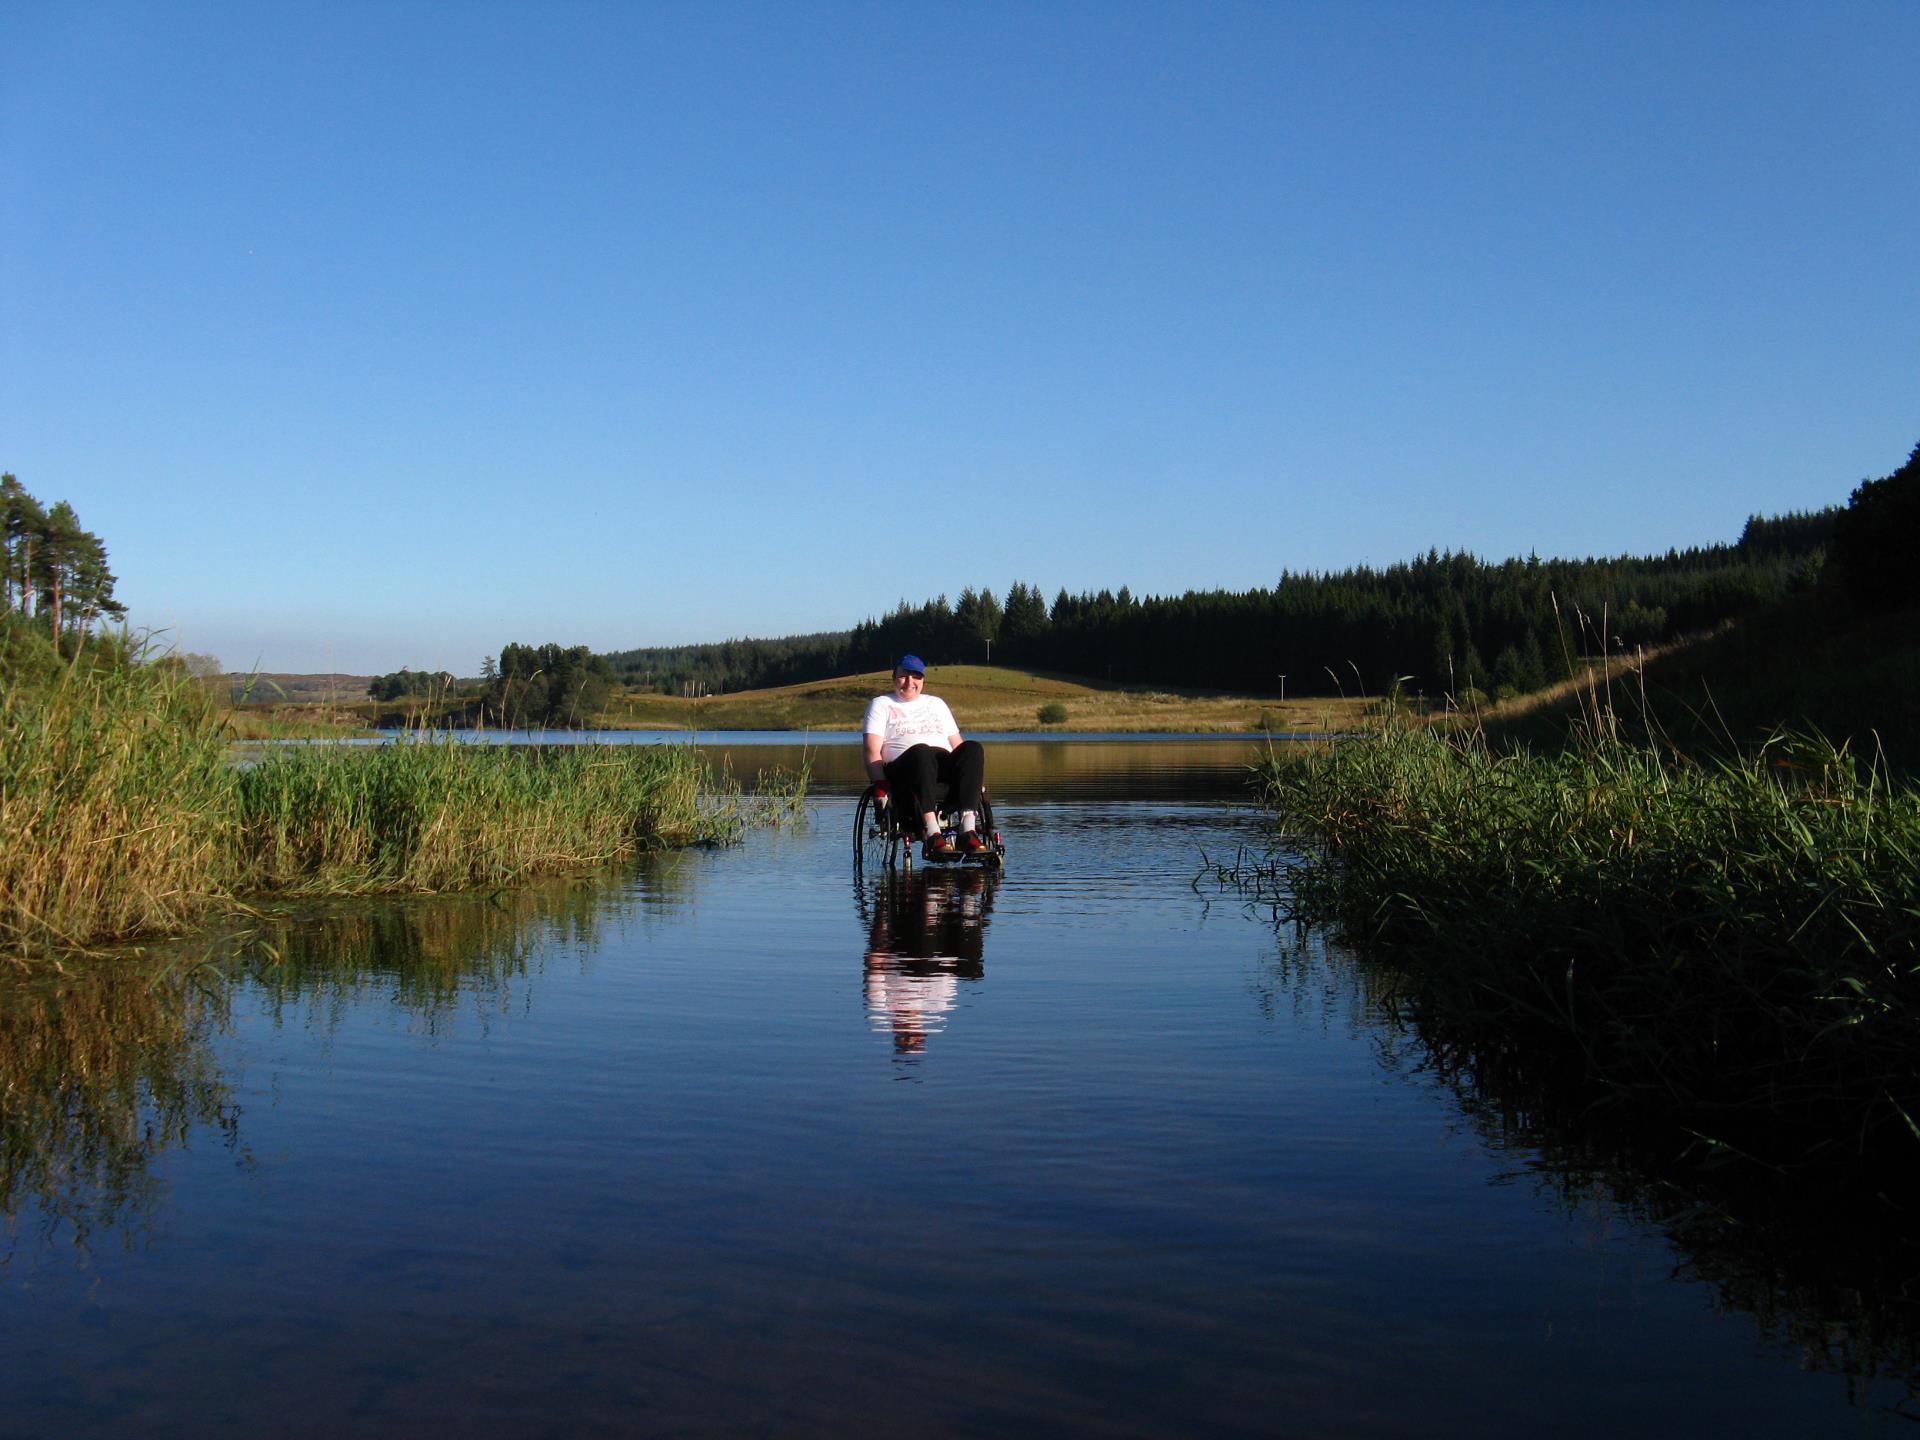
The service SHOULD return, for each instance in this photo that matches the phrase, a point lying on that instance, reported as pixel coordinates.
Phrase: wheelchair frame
(882, 835)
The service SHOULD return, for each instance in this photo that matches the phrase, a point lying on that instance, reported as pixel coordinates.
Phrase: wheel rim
(873, 840)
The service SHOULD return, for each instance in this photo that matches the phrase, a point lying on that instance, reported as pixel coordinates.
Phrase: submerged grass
(122, 815)
(1734, 944)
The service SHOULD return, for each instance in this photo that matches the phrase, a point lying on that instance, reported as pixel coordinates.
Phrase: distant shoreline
(985, 699)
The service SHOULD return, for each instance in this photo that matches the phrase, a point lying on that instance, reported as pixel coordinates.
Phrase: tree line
(1446, 622)
(557, 686)
(1875, 541)
(53, 572)
(528, 687)
(405, 684)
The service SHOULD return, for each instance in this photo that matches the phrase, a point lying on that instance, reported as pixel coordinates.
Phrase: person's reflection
(926, 933)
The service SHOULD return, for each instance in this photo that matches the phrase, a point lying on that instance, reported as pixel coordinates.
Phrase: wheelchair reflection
(926, 933)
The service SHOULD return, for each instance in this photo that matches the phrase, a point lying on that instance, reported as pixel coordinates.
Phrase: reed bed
(122, 814)
(116, 804)
(439, 814)
(1734, 944)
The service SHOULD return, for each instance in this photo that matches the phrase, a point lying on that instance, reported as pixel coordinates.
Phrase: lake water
(729, 1143)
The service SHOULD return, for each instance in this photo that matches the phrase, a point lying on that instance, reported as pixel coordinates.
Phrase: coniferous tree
(90, 584)
(54, 554)
(1024, 625)
(1875, 537)
(23, 518)
(52, 570)
(1429, 622)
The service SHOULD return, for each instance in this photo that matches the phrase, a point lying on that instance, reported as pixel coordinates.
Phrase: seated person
(912, 746)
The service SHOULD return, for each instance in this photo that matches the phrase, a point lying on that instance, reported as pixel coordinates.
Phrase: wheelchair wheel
(876, 838)
(996, 857)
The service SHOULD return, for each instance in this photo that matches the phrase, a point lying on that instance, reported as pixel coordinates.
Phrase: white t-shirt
(925, 721)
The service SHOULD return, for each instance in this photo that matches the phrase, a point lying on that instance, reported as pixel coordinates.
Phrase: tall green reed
(122, 814)
(116, 804)
(1736, 940)
(438, 814)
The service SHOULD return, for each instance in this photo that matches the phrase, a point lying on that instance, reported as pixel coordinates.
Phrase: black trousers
(916, 774)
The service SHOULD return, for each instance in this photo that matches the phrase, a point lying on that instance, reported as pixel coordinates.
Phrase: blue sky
(381, 334)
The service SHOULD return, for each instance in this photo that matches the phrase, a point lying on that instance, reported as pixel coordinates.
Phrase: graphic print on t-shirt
(925, 721)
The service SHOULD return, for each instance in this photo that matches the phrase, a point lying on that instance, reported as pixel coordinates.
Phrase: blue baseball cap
(913, 664)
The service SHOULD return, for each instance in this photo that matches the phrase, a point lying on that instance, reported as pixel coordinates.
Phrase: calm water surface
(732, 1144)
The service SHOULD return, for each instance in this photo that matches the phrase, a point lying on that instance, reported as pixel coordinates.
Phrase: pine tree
(23, 519)
(59, 547)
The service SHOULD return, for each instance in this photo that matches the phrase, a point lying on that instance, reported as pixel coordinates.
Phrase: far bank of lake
(1025, 766)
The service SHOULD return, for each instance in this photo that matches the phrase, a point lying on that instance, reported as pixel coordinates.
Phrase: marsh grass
(122, 815)
(779, 794)
(439, 814)
(1734, 943)
(116, 804)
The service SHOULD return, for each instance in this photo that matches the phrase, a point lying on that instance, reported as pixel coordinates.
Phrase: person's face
(907, 684)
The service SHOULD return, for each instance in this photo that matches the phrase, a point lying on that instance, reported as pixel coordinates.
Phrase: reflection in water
(1830, 1277)
(99, 1072)
(429, 957)
(926, 932)
(104, 1070)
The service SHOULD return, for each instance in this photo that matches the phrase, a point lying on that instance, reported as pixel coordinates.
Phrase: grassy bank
(293, 722)
(121, 814)
(1731, 945)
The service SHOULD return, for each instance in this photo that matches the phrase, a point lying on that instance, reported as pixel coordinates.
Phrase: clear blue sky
(381, 334)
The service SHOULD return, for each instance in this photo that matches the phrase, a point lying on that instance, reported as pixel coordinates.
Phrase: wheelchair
(883, 833)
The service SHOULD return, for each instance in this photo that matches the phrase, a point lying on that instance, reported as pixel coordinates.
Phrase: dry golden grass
(293, 722)
(985, 698)
(115, 805)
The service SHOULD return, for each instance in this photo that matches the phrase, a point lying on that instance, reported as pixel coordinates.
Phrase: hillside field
(983, 698)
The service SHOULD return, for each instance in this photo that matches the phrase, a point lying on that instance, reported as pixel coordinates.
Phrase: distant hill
(984, 698)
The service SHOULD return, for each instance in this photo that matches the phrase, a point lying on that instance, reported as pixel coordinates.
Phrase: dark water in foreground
(729, 1144)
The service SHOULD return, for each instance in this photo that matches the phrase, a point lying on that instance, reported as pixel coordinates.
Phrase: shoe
(972, 842)
(940, 847)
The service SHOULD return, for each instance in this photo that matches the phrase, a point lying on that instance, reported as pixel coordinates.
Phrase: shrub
(1053, 713)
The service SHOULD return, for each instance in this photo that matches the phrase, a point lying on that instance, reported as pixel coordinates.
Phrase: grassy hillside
(263, 688)
(1798, 666)
(1794, 666)
(983, 697)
